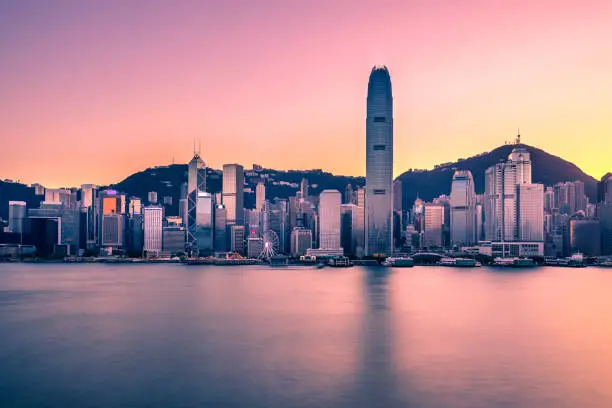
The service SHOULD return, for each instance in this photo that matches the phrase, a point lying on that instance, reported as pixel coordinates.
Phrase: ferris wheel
(270, 245)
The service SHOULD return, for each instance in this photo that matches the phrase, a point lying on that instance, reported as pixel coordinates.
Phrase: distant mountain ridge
(428, 184)
(546, 169)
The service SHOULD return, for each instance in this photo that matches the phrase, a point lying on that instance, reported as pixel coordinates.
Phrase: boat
(605, 263)
(399, 262)
(459, 262)
(576, 261)
(339, 262)
(514, 262)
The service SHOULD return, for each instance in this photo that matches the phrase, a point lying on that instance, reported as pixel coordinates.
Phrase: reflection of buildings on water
(377, 376)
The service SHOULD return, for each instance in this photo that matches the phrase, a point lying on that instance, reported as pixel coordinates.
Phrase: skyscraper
(152, 225)
(604, 189)
(463, 209)
(530, 201)
(379, 163)
(260, 196)
(17, 213)
(233, 181)
(329, 219)
(204, 230)
(196, 183)
(433, 224)
(304, 189)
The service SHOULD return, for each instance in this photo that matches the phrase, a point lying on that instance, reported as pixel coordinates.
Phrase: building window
(379, 191)
(380, 119)
(379, 147)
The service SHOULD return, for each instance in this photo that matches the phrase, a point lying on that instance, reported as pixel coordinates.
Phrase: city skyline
(134, 83)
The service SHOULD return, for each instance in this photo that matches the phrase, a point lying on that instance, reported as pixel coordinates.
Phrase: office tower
(417, 214)
(260, 196)
(255, 246)
(232, 196)
(604, 189)
(530, 199)
(252, 222)
(433, 224)
(184, 192)
(59, 195)
(220, 236)
(398, 196)
(173, 240)
(136, 235)
(153, 227)
(301, 241)
(135, 206)
(581, 198)
(17, 213)
(479, 222)
(549, 199)
(349, 225)
(585, 235)
(329, 219)
(111, 221)
(293, 212)
(44, 233)
(359, 225)
(278, 221)
(304, 189)
(500, 200)
(379, 164)
(89, 201)
(196, 183)
(182, 208)
(237, 236)
(604, 213)
(204, 224)
(462, 209)
(348, 194)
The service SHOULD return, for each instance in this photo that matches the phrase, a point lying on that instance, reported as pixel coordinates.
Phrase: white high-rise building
(530, 199)
(260, 196)
(329, 219)
(233, 196)
(379, 164)
(463, 209)
(135, 206)
(153, 227)
(504, 182)
(433, 224)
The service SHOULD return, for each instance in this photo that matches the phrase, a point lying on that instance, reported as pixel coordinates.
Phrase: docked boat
(399, 262)
(339, 262)
(459, 262)
(576, 261)
(605, 264)
(514, 262)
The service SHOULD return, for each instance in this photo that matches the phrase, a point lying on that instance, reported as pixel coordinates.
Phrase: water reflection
(377, 375)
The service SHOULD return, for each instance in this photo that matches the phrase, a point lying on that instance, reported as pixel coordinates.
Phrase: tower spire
(518, 136)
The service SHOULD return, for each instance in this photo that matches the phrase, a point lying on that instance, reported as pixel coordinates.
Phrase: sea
(170, 335)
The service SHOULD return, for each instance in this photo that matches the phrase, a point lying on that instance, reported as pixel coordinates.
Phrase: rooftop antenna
(199, 146)
(194, 150)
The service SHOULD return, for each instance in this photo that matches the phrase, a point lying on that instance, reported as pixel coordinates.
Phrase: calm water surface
(175, 336)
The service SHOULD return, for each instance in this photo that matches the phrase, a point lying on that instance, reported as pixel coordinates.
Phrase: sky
(93, 91)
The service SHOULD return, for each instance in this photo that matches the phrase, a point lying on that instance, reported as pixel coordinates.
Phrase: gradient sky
(92, 91)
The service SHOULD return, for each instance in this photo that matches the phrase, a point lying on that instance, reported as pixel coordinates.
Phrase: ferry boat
(399, 262)
(514, 262)
(459, 262)
(576, 261)
(606, 263)
(339, 262)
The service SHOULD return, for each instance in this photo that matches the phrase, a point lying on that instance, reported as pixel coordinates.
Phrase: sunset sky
(92, 91)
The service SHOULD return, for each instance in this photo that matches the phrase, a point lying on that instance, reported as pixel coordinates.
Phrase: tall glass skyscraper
(196, 183)
(233, 196)
(379, 164)
(463, 209)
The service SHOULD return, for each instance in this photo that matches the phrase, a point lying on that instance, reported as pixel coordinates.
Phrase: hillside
(167, 180)
(546, 169)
